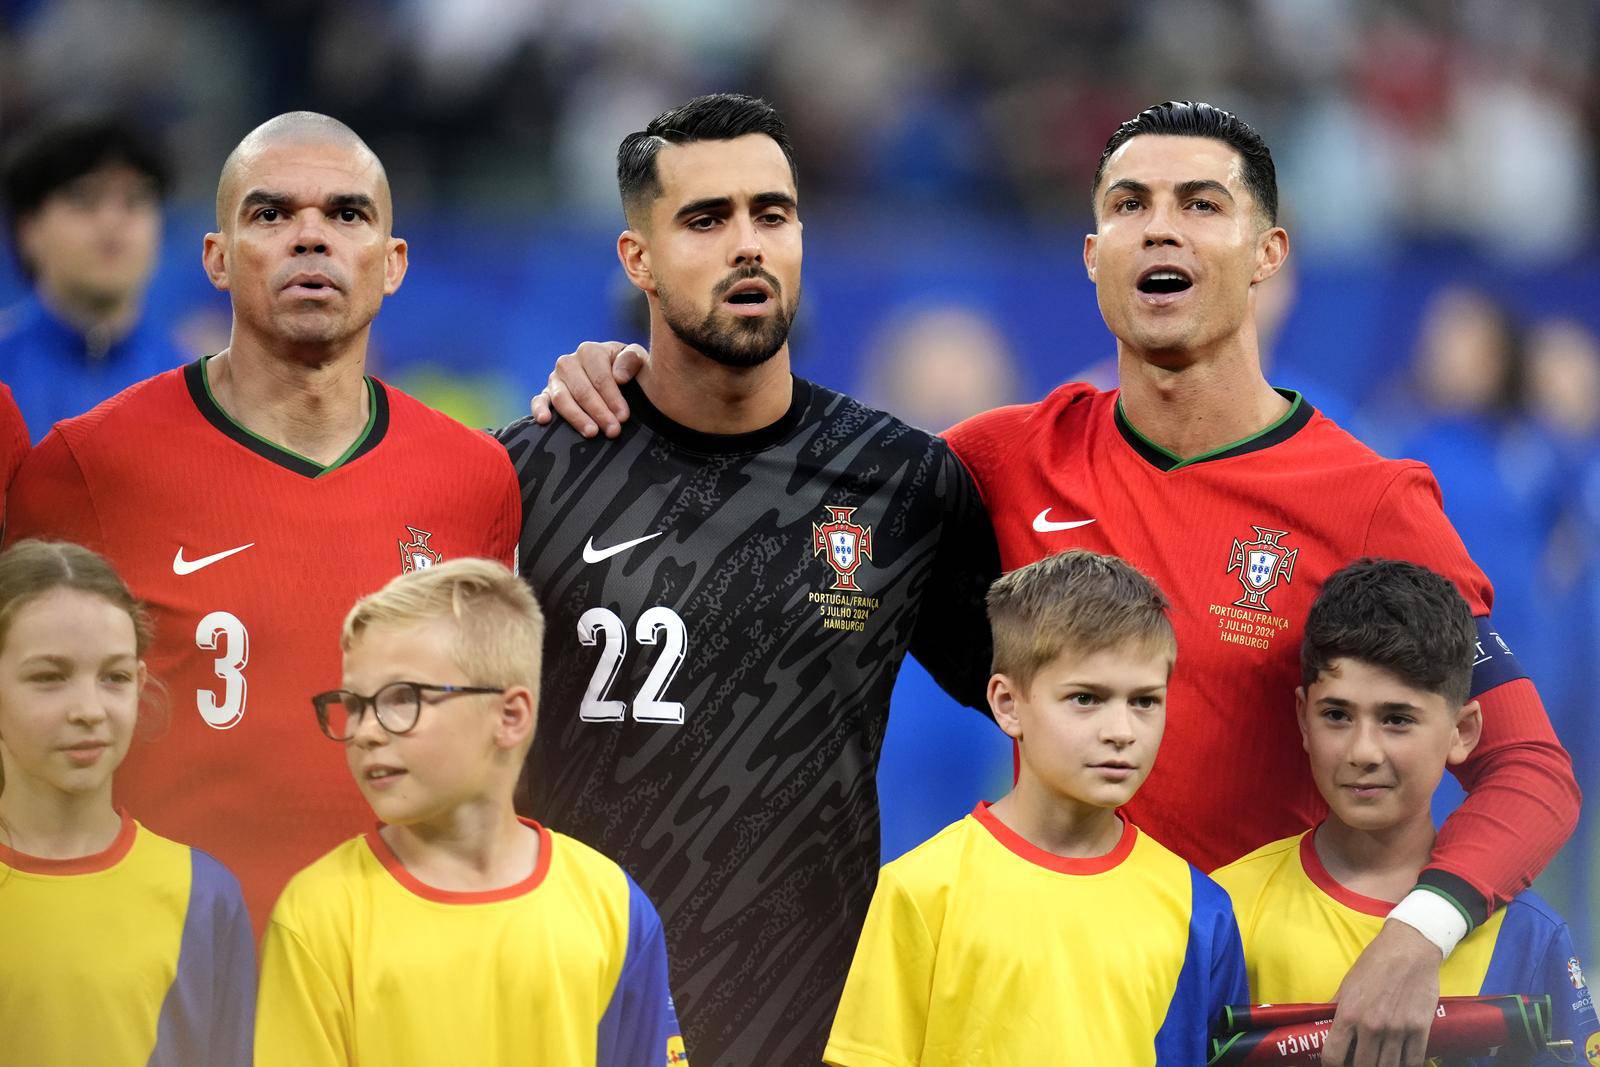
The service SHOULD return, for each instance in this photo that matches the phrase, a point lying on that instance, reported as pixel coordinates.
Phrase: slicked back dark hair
(1397, 616)
(715, 117)
(1190, 118)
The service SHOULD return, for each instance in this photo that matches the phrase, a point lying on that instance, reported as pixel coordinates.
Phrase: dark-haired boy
(1383, 708)
(1045, 928)
(83, 204)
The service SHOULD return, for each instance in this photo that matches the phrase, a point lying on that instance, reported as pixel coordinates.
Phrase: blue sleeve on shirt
(1213, 976)
(641, 1019)
(1534, 955)
(208, 1015)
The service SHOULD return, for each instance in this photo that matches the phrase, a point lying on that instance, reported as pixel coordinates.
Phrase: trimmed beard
(740, 342)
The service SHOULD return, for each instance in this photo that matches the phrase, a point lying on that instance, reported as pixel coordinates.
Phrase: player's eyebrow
(1127, 185)
(1196, 186)
(709, 205)
(774, 199)
(1183, 190)
(722, 205)
(358, 201)
(263, 198)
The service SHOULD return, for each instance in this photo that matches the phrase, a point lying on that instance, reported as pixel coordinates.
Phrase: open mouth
(375, 774)
(1164, 280)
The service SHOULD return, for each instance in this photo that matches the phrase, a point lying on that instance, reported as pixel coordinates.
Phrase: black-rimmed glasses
(397, 706)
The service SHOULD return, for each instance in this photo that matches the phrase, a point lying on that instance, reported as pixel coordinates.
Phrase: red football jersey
(14, 442)
(1241, 540)
(249, 557)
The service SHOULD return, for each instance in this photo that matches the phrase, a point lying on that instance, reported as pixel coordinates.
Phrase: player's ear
(1271, 251)
(214, 257)
(1300, 717)
(1003, 705)
(1469, 728)
(633, 249)
(1089, 254)
(395, 262)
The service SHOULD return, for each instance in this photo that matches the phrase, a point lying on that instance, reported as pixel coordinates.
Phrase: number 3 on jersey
(658, 625)
(223, 633)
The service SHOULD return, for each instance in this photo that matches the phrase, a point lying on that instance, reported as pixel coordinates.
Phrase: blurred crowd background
(1438, 163)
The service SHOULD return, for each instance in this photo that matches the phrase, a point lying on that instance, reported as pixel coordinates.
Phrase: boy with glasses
(456, 932)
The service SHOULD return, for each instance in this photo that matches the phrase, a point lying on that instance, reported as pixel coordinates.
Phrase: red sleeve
(1522, 804)
(1522, 799)
(14, 441)
(50, 498)
(1409, 523)
(981, 442)
(508, 523)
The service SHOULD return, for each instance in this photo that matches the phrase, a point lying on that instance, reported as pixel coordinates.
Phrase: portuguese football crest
(845, 544)
(1261, 564)
(416, 554)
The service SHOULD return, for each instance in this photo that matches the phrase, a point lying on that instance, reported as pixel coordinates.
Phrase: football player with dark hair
(731, 585)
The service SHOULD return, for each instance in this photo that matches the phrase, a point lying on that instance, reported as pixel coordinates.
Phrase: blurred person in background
(934, 365)
(1467, 425)
(1563, 401)
(83, 200)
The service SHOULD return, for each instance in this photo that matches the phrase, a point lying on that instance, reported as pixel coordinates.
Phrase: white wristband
(1434, 917)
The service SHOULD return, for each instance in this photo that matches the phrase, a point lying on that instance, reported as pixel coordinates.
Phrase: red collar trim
(119, 848)
(392, 864)
(1324, 881)
(1037, 856)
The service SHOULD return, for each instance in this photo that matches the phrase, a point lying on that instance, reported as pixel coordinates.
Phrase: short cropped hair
(43, 158)
(715, 117)
(1397, 616)
(1078, 602)
(1190, 118)
(499, 627)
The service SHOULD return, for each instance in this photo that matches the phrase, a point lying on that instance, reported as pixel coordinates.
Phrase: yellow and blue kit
(1302, 931)
(981, 948)
(364, 964)
(137, 955)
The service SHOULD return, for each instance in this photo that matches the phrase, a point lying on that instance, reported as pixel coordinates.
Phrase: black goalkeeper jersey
(726, 616)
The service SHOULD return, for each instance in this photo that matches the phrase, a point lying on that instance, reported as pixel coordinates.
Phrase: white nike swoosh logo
(592, 554)
(189, 566)
(1044, 525)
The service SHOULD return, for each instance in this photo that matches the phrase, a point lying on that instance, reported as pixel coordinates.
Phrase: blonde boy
(456, 932)
(1386, 666)
(1045, 928)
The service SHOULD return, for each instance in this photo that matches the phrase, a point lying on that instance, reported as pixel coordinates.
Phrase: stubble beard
(733, 341)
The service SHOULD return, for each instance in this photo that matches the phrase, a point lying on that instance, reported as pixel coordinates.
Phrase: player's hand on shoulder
(583, 387)
(1386, 1003)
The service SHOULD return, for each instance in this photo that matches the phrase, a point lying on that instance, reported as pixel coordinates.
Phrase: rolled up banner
(1462, 1026)
(1238, 1018)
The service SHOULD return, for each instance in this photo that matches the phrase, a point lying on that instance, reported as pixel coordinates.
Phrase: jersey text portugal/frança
(727, 614)
(1241, 539)
(249, 556)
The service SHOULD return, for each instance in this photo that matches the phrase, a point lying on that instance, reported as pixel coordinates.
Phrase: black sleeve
(952, 637)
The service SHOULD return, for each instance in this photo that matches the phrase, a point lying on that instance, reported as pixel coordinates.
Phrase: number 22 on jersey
(658, 625)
